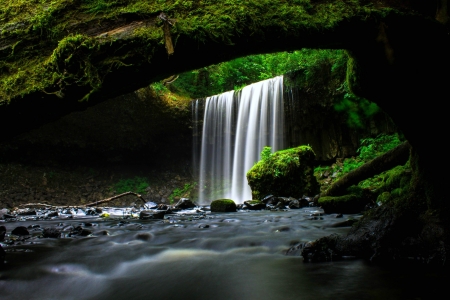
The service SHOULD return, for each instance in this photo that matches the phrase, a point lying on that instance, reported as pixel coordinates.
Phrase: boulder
(255, 205)
(269, 199)
(286, 172)
(51, 233)
(185, 203)
(223, 205)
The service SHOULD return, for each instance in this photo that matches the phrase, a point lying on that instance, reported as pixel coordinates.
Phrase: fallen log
(114, 198)
(394, 157)
(36, 204)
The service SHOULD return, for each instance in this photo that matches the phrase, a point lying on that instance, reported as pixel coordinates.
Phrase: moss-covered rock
(348, 204)
(223, 205)
(287, 172)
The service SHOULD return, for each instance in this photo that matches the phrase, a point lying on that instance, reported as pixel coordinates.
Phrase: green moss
(64, 26)
(343, 204)
(284, 173)
(383, 197)
(223, 205)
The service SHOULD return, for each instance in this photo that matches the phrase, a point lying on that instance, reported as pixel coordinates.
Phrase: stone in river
(185, 203)
(51, 233)
(149, 214)
(223, 205)
(21, 230)
(144, 236)
(255, 205)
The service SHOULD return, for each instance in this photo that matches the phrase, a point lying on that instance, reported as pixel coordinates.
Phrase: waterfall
(236, 127)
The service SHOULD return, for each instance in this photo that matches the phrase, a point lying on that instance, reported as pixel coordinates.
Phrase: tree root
(394, 157)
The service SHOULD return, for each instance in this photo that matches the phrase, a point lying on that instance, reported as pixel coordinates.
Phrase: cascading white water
(236, 127)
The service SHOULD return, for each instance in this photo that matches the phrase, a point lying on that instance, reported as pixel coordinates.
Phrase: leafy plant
(373, 147)
(180, 192)
(357, 108)
(237, 73)
(136, 184)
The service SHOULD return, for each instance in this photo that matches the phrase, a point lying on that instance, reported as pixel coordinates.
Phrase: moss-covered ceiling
(57, 56)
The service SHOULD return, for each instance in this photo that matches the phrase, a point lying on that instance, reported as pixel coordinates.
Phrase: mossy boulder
(348, 204)
(287, 173)
(223, 205)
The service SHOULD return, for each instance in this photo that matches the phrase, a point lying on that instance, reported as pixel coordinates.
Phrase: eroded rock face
(284, 173)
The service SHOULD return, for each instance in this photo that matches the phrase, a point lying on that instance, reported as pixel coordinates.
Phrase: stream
(189, 255)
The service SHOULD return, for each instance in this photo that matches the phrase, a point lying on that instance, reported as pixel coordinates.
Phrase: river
(238, 255)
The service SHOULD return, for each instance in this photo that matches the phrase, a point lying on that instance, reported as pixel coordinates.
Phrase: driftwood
(36, 204)
(394, 157)
(114, 198)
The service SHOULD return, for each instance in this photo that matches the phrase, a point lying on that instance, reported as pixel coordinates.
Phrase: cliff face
(312, 117)
(83, 156)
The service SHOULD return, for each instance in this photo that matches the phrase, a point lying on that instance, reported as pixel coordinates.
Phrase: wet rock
(294, 204)
(304, 202)
(34, 226)
(269, 199)
(223, 205)
(27, 213)
(185, 203)
(203, 226)
(339, 216)
(150, 205)
(8, 217)
(90, 212)
(151, 214)
(21, 230)
(98, 210)
(52, 214)
(80, 231)
(2, 233)
(68, 228)
(162, 207)
(282, 229)
(295, 249)
(143, 236)
(255, 205)
(51, 233)
(323, 249)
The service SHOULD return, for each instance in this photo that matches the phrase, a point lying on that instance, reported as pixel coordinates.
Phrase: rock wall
(81, 157)
(311, 117)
